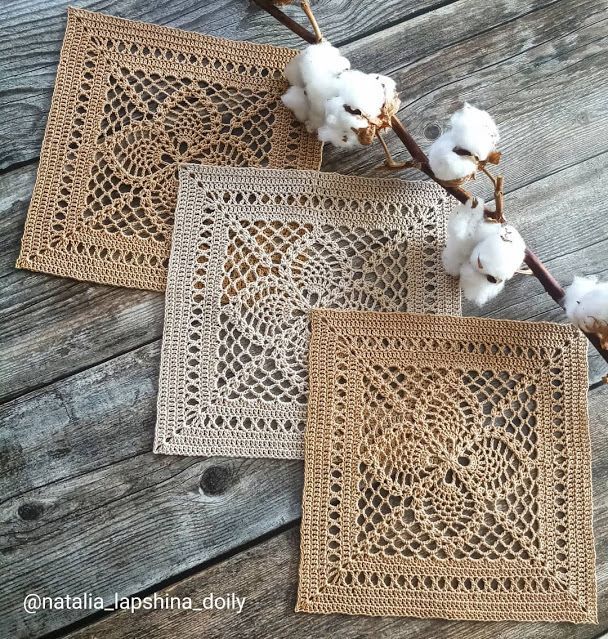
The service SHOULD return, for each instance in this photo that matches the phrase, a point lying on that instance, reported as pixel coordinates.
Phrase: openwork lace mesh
(132, 102)
(447, 469)
(254, 250)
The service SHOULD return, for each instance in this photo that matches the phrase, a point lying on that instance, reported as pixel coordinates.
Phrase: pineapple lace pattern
(447, 469)
(254, 250)
(132, 103)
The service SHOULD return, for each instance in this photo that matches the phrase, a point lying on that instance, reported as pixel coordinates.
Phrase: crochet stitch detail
(447, 469)
(132, 103)
(254, 251)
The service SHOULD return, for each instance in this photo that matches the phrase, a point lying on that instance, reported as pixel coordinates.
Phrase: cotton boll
(295, 100)
(314, 62)
(340, 125)
(338, 137)
(318, 94)
(319, 60)
(461, 235)
(592, 314)
(500, 254)
(344, 106)
(593, 308)
(575, 292)
(361, 92)
(586, 303)
(475, 287)
(465, 220)
(487, 228)
(358, 97)
(471, 130)
(453, 257)
(474, 130)
(389, 86)
(447, 165)
(293, 71)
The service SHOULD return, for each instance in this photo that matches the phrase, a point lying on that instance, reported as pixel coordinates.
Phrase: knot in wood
(432, 131)
(216, 480)
(30, 512)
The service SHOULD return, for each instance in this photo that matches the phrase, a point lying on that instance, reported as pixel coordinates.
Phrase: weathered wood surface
(101, 322)
(85, 505)
(267, 576)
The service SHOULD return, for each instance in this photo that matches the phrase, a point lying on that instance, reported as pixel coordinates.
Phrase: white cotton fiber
(471, 130)
(316, 60)
(321, 60)
(475, 287)
(295, 100)
(475, 131)
(335, 101)
(500, 254)
(447, 165)
(339, 125)
(482, 252)
(388, 84)
(586, 303)
(361, 92)
(576, 291)
(461, 235)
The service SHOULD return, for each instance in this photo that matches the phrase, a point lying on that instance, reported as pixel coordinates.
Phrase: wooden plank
(122, 426)
(75, 426)
(267, 575)
(86, 502)
(101, 322)
(32, 33)
(52, 326)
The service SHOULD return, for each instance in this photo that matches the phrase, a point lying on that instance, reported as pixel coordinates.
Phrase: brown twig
(498, 197)
(547, 281)
(389, 162)
(311, 18)
(489, 175)
(285, 20)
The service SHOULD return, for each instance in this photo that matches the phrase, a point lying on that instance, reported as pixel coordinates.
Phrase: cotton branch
(421, 162)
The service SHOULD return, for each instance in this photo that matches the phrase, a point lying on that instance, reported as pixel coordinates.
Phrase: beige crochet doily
(254, 250)
(133, 101)
(448, 469)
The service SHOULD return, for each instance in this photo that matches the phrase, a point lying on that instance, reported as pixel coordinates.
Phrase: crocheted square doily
(448, 469)
(132, 102)
(254, 250)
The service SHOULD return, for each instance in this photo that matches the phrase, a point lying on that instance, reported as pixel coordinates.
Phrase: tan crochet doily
(448, 469)
(133, 101)
(254, 250)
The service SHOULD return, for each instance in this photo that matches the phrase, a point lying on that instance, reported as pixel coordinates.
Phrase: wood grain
(267, 576)
(85, 505)
(87, 323)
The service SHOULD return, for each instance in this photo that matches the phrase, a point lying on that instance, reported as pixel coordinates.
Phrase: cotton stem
(286, 21)
(311, 18)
